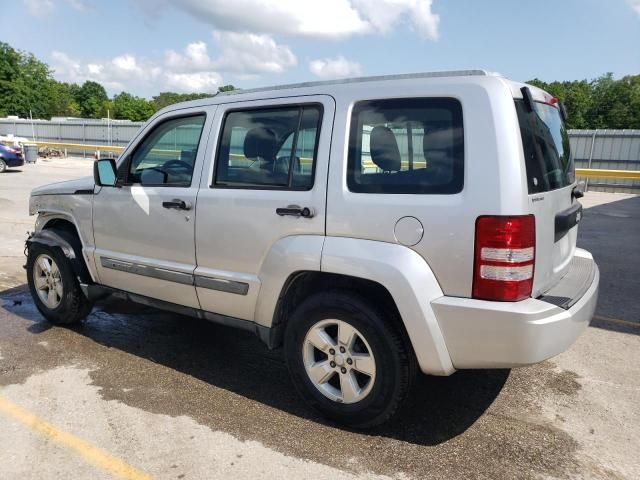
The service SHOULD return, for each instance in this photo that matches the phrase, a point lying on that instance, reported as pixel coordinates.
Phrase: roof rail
(378, 78)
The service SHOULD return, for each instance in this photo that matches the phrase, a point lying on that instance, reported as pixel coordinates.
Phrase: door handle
(295, 211)
(177, 204)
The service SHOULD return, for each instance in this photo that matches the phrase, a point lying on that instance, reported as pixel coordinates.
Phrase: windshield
(546, 147)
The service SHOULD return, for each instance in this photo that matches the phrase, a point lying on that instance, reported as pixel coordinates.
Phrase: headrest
(384, 149)
(260, 142)
(438, 140)
(438, 148)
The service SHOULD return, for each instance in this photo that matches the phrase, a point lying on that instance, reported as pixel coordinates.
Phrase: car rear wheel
(3, 165)
(347, 360)
(54, 287)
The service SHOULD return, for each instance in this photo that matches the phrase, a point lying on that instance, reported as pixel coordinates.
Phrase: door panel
(144, 234)
(553, 256)
(238, 224)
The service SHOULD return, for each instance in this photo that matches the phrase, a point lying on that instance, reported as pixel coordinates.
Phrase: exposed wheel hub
(47, 280)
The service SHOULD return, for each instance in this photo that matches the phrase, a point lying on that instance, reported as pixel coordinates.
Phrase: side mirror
(104, 172)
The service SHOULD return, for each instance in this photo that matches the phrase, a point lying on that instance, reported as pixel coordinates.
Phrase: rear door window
(546, 148)
(409, 145)
(269, 148)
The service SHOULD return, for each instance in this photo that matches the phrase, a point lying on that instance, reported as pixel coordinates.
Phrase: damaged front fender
(68, 244)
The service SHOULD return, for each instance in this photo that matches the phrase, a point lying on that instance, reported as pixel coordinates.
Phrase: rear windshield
(546, 147)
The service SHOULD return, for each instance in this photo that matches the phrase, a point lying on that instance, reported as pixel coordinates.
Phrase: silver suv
(372, 227)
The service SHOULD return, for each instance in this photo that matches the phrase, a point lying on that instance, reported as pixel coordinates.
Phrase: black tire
(73, 306)
(3, 165)
(395, 363)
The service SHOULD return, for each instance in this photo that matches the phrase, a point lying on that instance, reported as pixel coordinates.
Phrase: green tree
(127, 106)
(578, 101)
(576, 96)
(9, 72)
(62, 101)
(91, 97)
(25, 83)
(164, 99)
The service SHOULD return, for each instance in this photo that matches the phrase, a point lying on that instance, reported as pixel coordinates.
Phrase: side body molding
(411, 283)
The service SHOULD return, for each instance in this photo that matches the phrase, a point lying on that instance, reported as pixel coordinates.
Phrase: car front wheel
(54, 287)
(347, 359)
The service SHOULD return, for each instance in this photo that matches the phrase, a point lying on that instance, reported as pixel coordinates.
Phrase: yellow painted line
(616, 320)
(80, 146)
(602, 173)
(93, 455)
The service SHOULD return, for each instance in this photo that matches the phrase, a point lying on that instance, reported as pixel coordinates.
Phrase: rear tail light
(12, 150)
(504, 257)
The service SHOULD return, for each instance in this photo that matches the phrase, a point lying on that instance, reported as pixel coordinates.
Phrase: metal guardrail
(580, 172)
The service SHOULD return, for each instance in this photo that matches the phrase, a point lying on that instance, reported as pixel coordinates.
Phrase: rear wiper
(528, 99)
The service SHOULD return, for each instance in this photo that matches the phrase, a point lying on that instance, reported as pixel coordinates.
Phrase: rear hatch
(551, 182)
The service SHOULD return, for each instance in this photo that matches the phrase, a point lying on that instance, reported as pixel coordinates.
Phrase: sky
(148, 46)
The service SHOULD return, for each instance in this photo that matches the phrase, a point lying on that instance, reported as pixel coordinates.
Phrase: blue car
(10, 157)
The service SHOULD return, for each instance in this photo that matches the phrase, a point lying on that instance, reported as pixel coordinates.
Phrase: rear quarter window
(408, 145)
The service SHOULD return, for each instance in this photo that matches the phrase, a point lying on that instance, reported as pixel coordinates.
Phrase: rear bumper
(482, 334)
(14, 161)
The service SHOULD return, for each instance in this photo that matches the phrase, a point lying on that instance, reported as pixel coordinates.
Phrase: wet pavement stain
(480, 424)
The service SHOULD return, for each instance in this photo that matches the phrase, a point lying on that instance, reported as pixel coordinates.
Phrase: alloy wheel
(339, 361)
(48, 281)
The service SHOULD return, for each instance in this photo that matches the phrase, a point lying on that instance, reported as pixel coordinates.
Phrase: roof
(251, 94)
(406, 76)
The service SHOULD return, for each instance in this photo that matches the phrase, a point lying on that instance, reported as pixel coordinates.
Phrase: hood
(65, 188)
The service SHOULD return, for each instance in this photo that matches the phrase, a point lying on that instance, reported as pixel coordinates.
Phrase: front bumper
(482, 334)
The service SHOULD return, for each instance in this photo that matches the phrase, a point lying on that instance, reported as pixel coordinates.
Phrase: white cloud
(193, 82)
(338, 67)
(191, 71)
(329, 18)
(251, 53)
(635, 5)
(126, 63)
(81, 5)
(384, 15)
(39, 8)
(242, 53)
(194, 58)
(119, 73)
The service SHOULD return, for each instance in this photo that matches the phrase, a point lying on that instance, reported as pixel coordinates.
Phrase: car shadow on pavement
(438, 409)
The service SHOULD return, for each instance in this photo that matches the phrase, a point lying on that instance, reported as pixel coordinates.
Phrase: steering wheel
(177, 164)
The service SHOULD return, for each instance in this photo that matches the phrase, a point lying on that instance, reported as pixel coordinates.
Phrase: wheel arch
(301, 284)
(411, 284)
(61, 232)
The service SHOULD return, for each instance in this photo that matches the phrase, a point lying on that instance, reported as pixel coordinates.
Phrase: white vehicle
(372, 227)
